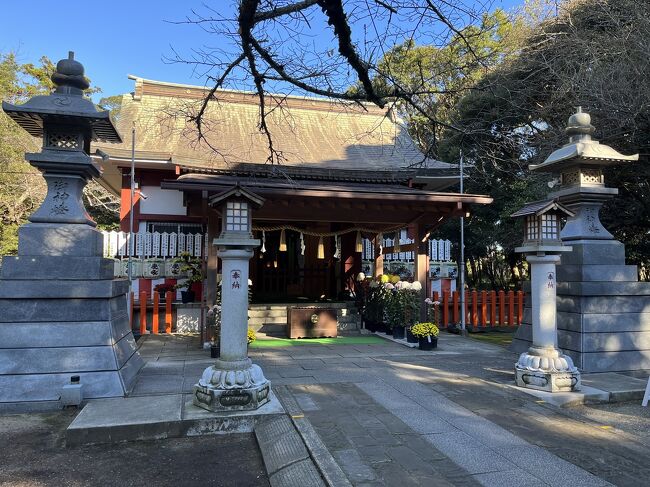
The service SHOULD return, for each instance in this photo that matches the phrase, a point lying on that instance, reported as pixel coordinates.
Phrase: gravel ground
(629, 417)
(34, 454)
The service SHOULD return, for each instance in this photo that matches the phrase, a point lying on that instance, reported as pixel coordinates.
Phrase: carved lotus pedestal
(232, 386)
(547, 370)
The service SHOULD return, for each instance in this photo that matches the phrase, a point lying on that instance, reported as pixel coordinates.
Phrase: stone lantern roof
(66, 105)
(538, 208)
(582, 149)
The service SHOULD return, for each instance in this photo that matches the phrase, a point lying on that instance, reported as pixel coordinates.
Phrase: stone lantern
(543, 366)
(602, 308)
(582, 189)
(64, 316)
(234, 383)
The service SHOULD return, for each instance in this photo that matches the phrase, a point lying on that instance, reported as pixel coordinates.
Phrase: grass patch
(270, 342)
(501, 338)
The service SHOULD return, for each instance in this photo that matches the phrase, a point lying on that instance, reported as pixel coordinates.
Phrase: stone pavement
(390, 415)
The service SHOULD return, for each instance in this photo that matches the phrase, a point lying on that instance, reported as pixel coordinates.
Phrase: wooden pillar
(156, 304)
(511, 308)
(143, 312)
(474, 308)
(455, 309)
(445, 309)
(484, 311)
(350, 260)
(502, 308)
(169, 297)
(493, 308)
(379, 259)
(421, 265)
(212, 266)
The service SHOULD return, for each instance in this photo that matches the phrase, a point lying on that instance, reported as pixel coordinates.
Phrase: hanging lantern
(302, 244)
(359, 243)
(380, 243)
(263, 249)
(321, 249)
(283, 241)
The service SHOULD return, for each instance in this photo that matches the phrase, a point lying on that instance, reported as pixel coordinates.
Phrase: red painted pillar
(502, 308)
(511, 308)
(455, 309)
(475, 308)
(445, 309)
(169, 296)
(493, 308)
(143, 312)
(520, 307)
(156, 303)
(484, 313)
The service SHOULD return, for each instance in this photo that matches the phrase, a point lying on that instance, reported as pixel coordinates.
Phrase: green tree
(444, 76)
(593, 54)
(438, 76)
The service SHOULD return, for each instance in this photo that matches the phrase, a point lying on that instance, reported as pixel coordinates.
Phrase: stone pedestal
(543, 366)
(603, 311)
(233, 383)
(63, 314)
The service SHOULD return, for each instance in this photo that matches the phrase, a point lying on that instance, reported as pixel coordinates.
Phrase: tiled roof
(312, 134)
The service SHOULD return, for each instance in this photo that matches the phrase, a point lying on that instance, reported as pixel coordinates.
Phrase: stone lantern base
(232, 386)
(547, 370)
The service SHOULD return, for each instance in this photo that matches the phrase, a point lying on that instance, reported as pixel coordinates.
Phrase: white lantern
(542, 222)
(236, 212)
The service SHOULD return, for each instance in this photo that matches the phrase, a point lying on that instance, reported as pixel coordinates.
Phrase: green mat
(287, 342)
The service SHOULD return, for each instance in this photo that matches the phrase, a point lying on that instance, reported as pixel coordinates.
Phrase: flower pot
(428, 343)
(187, 296)
(398, 332)
(410, 337)
(214, 351)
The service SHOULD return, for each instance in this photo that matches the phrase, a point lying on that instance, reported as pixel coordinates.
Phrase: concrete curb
(403, 342)
(329, 469)
(158, 417)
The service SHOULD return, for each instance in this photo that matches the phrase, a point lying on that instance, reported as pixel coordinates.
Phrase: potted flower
(163, 289)
(427, 334)
(250, 336)
(194, 268)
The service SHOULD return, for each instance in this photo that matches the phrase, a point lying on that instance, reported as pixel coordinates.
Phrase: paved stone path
(398, 417)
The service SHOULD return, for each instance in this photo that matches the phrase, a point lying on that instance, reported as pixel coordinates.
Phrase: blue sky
(113, 38)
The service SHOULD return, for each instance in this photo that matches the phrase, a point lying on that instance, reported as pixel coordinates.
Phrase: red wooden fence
(155, 320)
(482, 309)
